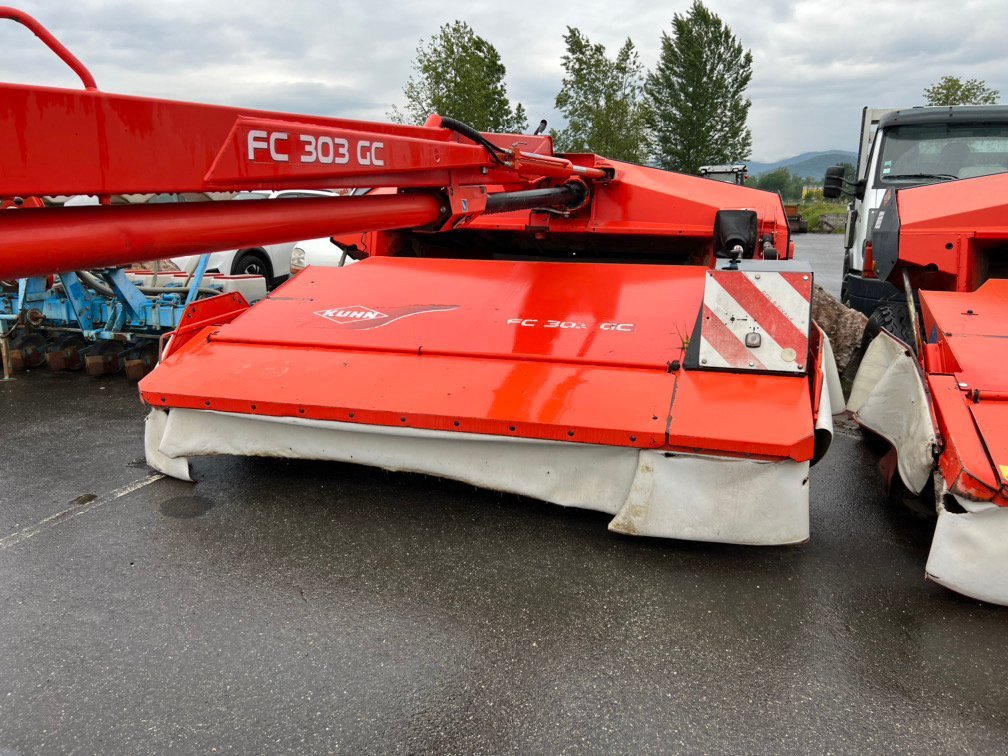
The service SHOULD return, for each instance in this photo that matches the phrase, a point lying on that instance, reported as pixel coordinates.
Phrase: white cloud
(816, 62)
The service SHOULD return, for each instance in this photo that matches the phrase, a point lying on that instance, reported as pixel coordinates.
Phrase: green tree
(951, 90)
(601, 100)
(781, 181)
(696, 94)
(460, 75)
(778, 180)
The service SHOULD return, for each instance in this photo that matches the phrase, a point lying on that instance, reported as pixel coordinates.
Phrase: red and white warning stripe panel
(756, 320)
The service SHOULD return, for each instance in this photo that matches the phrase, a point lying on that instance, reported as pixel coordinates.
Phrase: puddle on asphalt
(185, 507)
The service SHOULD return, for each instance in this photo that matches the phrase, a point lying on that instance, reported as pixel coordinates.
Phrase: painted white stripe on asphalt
(78, 509)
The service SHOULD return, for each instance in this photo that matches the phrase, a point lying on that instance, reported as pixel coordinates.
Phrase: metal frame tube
(45, 240)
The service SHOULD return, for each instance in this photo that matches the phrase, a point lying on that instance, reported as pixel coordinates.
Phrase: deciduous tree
(696, 94)
(460, 74)
(951, 90)
(601, 99)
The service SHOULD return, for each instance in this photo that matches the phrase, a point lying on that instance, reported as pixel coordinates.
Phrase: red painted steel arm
(51, 42)
(60, 141)
(56, 141)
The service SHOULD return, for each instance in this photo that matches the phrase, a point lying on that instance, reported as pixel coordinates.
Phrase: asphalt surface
(290, 606)
(825, 252)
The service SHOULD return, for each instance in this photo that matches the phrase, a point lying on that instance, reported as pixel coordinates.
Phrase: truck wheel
(253, 262)
(893, 317)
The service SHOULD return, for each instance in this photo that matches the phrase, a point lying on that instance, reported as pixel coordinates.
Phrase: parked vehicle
(901, 149)
(932, 271)
(271, 261)
(731, 173)
(324, 252)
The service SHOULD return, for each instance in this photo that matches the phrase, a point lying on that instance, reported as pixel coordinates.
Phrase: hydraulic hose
(570, 195)
(470, 133)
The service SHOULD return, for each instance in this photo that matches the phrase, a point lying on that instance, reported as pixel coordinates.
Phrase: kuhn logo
(360, 318)
(354, 314)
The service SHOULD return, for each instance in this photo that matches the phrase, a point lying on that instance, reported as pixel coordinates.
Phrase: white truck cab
(907, 147)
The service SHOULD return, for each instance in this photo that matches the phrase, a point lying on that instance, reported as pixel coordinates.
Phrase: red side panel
(964, 461)
(991, 419)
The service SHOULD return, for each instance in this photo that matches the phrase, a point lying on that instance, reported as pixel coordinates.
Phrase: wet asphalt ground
(290, 606)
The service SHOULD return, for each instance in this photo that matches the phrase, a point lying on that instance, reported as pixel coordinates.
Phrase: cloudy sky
(816, 63)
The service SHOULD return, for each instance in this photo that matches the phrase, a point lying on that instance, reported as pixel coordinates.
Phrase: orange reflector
(869, 262)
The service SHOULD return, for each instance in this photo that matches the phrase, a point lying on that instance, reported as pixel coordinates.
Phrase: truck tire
(894, 317)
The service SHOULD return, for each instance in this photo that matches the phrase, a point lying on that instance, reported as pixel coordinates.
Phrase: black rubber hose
(568, 195)
(470, 133)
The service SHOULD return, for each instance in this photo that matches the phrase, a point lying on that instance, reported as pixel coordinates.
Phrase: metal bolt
(752, 364)
(703, 361)
(804, 278)
(757, 276)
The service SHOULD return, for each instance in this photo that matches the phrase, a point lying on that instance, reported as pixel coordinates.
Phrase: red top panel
(626, 315)
(975, 204)
(972, 324)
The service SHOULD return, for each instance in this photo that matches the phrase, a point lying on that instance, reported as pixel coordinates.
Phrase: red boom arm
(60, 142)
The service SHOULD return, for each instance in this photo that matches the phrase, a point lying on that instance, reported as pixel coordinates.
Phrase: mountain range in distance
(807, 164)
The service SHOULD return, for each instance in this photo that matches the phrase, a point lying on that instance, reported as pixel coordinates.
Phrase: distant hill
(806, 164)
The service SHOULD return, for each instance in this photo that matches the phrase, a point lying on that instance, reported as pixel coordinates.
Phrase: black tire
(893, 317)
(253, 262)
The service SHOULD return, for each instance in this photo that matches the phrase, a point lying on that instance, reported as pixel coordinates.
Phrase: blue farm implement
(104, 320)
